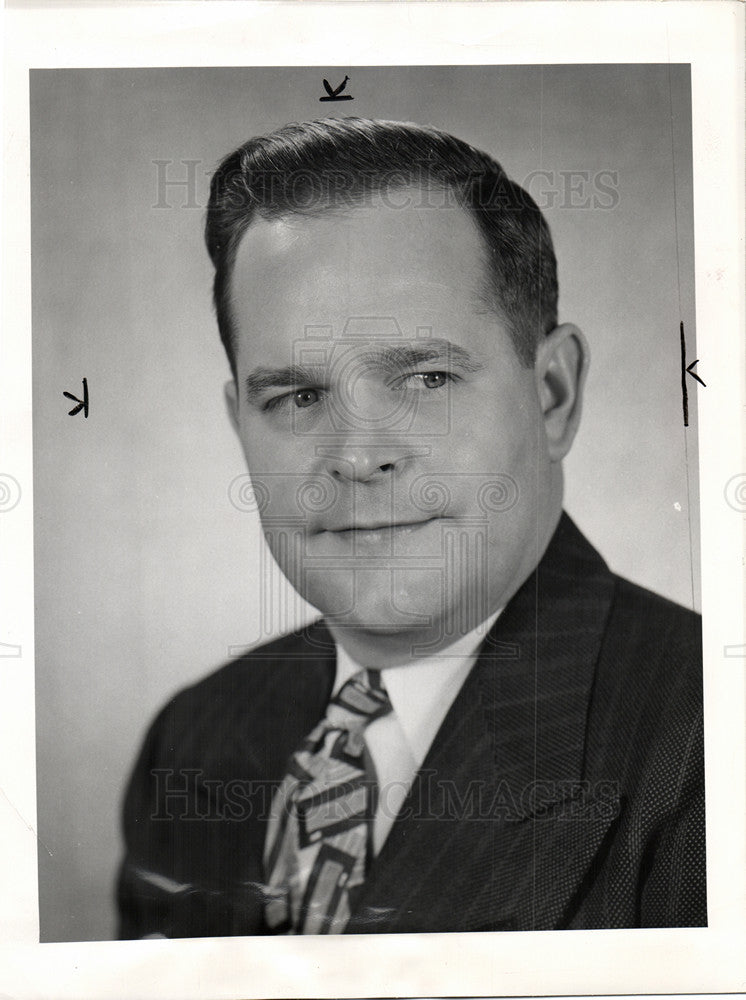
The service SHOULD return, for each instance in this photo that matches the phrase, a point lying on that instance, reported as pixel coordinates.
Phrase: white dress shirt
(421, 692)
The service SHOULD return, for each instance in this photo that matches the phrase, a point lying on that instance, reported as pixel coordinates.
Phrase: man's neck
(381, 649)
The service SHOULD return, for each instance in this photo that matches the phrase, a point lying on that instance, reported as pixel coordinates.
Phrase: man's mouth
(380, 527)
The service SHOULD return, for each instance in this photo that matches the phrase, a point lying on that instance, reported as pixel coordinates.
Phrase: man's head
(402, 392)
(335, 164)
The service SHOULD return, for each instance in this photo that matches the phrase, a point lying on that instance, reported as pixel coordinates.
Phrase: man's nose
(370, 441)
(359, 460)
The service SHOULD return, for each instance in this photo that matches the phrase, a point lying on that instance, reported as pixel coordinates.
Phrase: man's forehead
(439, 244)
(373, 275)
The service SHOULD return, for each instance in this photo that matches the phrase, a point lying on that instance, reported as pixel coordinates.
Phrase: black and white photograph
(479, 700)
(370, 575)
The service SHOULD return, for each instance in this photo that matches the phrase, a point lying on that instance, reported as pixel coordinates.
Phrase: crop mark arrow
(335, 93)
(694, 374)
(82, 403)
(686, 369)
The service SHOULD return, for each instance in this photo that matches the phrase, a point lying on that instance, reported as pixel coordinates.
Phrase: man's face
(394, 440)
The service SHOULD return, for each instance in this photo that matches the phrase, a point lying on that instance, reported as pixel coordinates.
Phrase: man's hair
(337, 164)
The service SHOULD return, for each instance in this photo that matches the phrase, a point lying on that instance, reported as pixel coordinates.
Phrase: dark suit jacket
(563, 790)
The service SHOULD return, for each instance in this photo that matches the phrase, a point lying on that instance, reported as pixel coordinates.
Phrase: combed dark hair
(337, 163)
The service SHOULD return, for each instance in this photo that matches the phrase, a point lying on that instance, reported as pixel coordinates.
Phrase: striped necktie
(319, 837)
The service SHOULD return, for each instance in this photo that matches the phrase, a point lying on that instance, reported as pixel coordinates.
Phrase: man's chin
(345, 623)
(376, 620)
(394, 606)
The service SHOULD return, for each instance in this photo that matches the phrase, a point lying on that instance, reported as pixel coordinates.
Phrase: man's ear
(231, 403)
(561, 367)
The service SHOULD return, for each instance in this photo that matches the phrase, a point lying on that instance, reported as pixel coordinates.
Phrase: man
(487, 730)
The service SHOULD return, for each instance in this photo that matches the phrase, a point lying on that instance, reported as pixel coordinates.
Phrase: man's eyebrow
(273, 378)
(394, 358)
(400, 357)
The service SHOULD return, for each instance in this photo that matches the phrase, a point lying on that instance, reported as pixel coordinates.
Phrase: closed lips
(382, 526)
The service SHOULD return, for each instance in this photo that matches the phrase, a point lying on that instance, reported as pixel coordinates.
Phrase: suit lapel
(499, 830)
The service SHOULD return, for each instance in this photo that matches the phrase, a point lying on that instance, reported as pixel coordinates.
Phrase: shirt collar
(421, 692)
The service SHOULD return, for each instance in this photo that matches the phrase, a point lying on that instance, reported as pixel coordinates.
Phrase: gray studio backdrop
(148, 569)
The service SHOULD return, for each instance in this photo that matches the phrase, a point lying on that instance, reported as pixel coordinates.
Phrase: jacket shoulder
(647, 697)
(272, 663)
(635, 595)
(249, 687)
(662, 628)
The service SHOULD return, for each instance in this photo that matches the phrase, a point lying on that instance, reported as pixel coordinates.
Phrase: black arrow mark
(82, 403)
(686, 370)
(694, 374)
(335, 93)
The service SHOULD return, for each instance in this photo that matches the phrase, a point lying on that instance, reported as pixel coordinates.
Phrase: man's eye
(434, 380)
(305, 397)
(429, 380)
(300, 398)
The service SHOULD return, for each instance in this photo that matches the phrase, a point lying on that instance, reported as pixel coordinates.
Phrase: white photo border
(706, 35)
